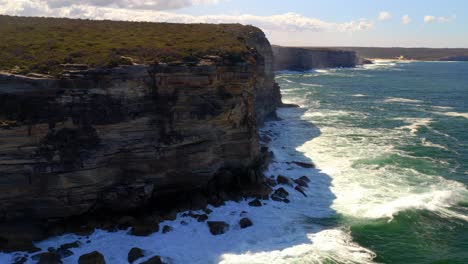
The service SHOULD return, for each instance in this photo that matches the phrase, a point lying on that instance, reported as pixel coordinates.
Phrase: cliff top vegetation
(41, 45)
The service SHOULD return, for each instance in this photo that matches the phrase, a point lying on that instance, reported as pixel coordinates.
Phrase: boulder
(218, 227)
(245, 222)
(281, 192)
(255, 203)
(144, 228)
(166, 229)
(304, 164)
(48, 258)
(304, 178)
(134, 254)
(280, 195)
(299, 189)
(20, 259)
(301, 183)
(92, 258)
(153, 260)
(283, 180)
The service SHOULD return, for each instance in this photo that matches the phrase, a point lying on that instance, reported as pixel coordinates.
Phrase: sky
(370, 23)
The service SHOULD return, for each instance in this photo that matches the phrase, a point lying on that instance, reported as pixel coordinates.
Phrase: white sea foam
(415, 123)
(365, 181)
(359, 95)
(453, 114)
(401, 100)
(311, 84)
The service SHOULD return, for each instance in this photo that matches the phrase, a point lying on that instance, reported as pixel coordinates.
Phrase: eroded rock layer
(117, 138)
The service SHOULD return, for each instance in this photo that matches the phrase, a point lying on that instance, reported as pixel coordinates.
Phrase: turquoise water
(394, 141)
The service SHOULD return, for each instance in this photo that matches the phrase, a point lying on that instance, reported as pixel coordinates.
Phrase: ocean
(390, 145)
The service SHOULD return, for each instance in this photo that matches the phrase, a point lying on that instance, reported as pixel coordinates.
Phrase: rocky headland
(303, 59)
(127, 145)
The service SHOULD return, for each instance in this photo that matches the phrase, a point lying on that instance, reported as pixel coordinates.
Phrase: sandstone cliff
(302, 59)
(119, 139)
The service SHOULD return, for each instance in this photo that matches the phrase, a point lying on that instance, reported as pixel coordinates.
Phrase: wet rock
(134, 254)
(299, 189)
(125, 222)
(153, 260)
(280, 195)
(170, 215)
(218, 227)
(92, 258)
(304, 164)
(255, 203)
(271, 182)
(283, 180)
(20, 259)
(207, 211)
(166, 229)
(281, 192)
(305, 178)
(301, 183)
(144, 228)
(184, 223)
(48, 258)
(245, 222)
(202, 218)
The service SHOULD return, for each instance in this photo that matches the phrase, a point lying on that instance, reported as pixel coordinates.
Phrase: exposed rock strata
(303, 59)
(119, 139)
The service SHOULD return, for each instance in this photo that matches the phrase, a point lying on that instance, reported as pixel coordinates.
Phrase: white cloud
(384, 15)
(441, 19)
(103, 9)
(405, 19)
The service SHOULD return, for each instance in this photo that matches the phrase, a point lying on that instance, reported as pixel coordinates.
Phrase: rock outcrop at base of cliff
(120, 139)
(303, 59)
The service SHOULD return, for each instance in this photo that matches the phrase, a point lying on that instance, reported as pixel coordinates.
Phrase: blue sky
(410, 23)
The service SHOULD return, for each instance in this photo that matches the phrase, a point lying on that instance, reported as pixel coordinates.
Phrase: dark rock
(20, 237)
(166, 229)
(20, 259)
(271, 182)
(144, 228)
(218, 227)
(304, 164)
(47, 258)
(301, 183)
(299, 189)
(183, 223)
(134, 254)
(202, 218)
(280, 195)
(290, 105)
(170, 215)
(125, 222)
(92, 258)
(281, 192)
(245, 222)
(255, 203)
(207, 211)
(283, 180)
(153, 260)
(75, 244)
(305, 178)
(198, 201)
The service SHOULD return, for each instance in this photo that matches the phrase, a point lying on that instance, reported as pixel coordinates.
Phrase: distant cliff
(428, 54)
(302, 59)
(123, 137)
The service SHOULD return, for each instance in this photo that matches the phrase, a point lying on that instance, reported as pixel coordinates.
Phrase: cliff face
(302, 59)
(118, 138)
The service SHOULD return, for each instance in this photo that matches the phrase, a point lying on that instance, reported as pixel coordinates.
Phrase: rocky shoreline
(131, 145)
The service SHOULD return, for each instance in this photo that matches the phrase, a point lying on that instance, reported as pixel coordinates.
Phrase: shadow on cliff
(304, 216)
